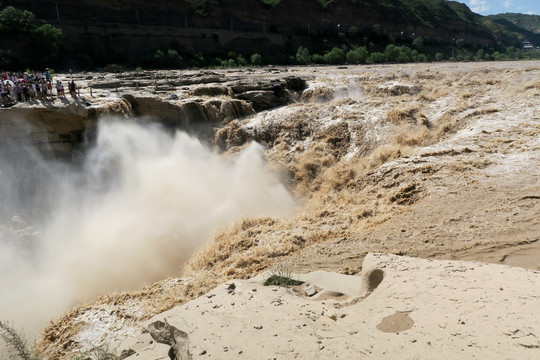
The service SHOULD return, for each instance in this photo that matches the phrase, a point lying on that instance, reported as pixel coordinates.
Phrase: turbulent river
(432, 161)
(135, 208)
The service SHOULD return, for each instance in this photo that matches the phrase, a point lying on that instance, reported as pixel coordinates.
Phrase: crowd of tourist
(30, 86)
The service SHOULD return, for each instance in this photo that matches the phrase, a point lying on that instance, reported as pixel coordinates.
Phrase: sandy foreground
(431, 162)
(399, 307)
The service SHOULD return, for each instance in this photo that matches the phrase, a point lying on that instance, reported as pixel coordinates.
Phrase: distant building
(526, 45)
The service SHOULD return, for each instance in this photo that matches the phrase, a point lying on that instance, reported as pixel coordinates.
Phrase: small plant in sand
(103, 353)
(281, 276)
(16, 344)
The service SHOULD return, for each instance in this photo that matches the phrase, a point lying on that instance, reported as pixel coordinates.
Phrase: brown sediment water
(433, 160)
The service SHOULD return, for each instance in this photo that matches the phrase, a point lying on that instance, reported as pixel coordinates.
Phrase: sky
(491, 7)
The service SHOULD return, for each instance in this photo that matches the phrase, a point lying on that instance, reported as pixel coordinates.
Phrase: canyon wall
(122, 29)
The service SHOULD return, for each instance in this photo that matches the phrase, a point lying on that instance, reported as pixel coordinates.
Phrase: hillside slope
(122, 31)
(524, 27)
(527, 22)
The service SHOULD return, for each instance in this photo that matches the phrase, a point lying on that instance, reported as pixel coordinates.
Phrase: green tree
(404, 54)
(174, 59)
(302, 55)
(391, 53)
(317, 58)
(15, 20)
(376, 58)
(198, 60)
(228, 63)
(241, 61)
(511, 52)
(256, 59)
(480, 55)
(414, 55)
(439, 57)
(418, 43)
(358, 55)
(31, 46)
(200, 6)
(48, 34)
(159, 59)
(422, 58)
(47, 40)
(335, 56)
(460, 43)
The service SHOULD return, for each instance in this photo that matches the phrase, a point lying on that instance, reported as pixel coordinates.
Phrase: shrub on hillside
(272, 3)
(200, 6)
(303, 56)
(241, 61)
(256, 59)
(173, 58)
(335, 56)
(418, 43)
(317, 59)
(358, 55)
(391, 53)
(163, 60)
(376, 58)
(228, 63)
(414, 55)
(422, 58)
(480, 55)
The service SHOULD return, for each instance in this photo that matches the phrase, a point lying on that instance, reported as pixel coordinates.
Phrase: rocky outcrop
(187, 113)
(197, 102)
(178, 340)
(265, 95)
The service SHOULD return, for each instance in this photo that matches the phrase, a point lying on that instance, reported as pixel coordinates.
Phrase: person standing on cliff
(43, 88)
(73, 89)
(60, 89)
(4, 93)
(49, 90)
(18, 92)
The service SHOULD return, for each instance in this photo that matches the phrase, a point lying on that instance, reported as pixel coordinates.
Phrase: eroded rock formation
(195, 102)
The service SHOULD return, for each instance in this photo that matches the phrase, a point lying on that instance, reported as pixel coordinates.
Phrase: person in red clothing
(60, 89)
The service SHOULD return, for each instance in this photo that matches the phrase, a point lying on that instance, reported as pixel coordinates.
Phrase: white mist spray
(143, 202)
